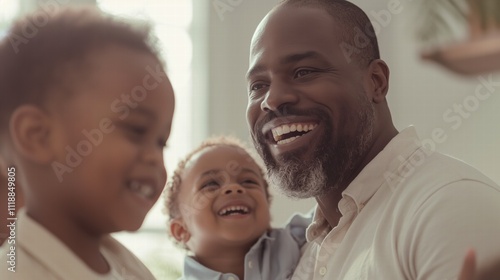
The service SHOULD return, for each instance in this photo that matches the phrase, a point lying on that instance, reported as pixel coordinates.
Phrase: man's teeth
(233, 210)
(288, 140)
(144, 190)
(279, 131)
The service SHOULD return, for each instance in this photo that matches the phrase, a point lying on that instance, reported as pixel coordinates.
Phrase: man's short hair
(352, 21)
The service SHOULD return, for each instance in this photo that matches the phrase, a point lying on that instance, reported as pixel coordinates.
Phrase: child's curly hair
(172, 189)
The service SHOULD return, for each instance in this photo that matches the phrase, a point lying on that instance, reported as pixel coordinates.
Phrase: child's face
(116, 124)
(222, 200)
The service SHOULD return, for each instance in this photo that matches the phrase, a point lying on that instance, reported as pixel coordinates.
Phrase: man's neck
(329, 207)
(329, 202)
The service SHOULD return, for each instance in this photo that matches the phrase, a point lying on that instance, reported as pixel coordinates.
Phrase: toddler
(218, 207)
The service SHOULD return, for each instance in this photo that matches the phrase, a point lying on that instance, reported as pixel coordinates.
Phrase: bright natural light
(9, 10)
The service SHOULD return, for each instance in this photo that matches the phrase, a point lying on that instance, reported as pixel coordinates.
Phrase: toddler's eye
(250, 182)
(210, 185)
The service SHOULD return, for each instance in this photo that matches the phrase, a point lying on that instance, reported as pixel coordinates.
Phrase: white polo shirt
(410, 214)
(40, 255)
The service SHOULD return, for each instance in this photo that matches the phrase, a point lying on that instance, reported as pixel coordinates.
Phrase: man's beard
(332, 162)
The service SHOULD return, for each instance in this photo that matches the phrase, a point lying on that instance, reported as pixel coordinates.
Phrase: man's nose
(278, 95)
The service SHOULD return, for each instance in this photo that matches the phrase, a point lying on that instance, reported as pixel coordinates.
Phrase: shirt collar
(194, 270)
(369, 180)
(36, 240)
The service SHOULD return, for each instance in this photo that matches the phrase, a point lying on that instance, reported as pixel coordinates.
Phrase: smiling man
(388, 208)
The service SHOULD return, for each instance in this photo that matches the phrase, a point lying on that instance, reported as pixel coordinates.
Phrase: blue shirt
(273, 257)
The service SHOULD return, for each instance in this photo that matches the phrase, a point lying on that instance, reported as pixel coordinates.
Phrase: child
(85, 110)
(218, 207)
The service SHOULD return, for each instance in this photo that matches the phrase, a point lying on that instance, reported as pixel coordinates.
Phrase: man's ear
(378, 80)
(179, 231)
(30, 131)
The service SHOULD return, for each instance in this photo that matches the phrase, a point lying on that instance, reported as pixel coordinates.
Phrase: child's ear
(30, 130)
(179, 231)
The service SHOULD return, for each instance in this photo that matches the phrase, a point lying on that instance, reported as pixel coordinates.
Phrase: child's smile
(235, 209)
(145, 191)
(223, 199)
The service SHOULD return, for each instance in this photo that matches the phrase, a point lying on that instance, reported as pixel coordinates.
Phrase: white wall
(420, 93)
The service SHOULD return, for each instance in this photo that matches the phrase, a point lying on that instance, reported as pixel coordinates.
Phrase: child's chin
(130, 225)
(134, 227)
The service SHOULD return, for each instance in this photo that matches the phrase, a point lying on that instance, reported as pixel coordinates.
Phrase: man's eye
(302, 72)
(257, 86)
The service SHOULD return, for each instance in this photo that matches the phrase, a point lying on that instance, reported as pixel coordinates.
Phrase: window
(9, 10)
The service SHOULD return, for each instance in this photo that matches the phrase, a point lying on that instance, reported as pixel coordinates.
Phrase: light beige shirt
(410, 214)
(40, 255)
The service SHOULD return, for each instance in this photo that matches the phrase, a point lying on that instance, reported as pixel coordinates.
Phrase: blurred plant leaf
(438, 17)
(490, 12)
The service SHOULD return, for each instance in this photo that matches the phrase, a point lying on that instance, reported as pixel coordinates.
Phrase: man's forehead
(288, 32)
(291, 24)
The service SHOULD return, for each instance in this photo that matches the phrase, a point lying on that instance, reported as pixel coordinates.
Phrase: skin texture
(215, 178)
(94, 199)
(297, 69)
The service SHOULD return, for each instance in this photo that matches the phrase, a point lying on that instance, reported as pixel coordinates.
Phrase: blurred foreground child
(86, 109)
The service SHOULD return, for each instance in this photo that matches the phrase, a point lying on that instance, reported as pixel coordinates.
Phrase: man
(388, 208)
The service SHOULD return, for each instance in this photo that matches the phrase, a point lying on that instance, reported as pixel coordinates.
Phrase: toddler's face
(222, 199)
(112, 134)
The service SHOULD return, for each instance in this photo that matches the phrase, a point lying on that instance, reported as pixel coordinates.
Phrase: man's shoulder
(431, 179)
(425, 173)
